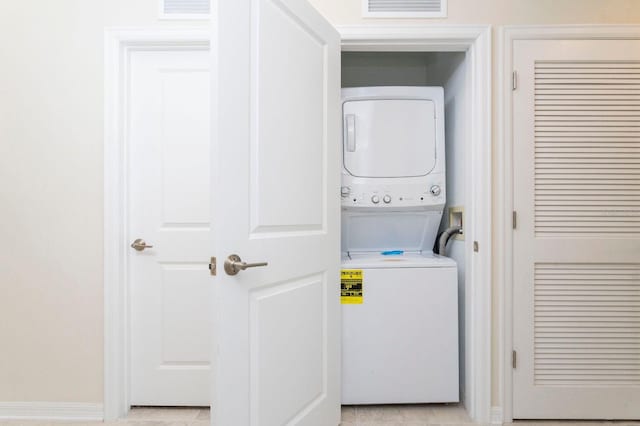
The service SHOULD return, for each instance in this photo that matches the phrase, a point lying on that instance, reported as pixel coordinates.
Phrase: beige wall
(501, 12)
(51, 155)
(51, 127)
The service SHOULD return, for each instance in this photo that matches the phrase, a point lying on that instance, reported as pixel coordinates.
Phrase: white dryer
(400, 301)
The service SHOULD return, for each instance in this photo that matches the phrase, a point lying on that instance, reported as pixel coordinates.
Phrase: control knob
(386, 199)
(375, 199)
(345, 191)
(435, 190)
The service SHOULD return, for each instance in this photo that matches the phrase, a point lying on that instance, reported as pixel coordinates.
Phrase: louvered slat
(586, 324)
(587, 148)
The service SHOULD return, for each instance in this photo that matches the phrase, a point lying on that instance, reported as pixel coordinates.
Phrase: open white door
(276, 120)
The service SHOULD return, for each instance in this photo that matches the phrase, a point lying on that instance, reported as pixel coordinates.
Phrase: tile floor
(404, 415)
(379, 415)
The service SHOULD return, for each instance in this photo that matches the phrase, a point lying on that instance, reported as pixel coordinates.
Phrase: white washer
(401, 344)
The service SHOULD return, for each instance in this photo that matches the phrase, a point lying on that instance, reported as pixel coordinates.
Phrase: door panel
(288, 121)
(169, 207)
(277, 119)
(577, 246)
(283, 316)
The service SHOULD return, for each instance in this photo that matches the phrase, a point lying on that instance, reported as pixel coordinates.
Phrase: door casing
(474, 40)
(119, 43)
(503, 251)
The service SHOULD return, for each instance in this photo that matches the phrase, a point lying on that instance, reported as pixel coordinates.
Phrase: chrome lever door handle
(233, 264)
(140, 244)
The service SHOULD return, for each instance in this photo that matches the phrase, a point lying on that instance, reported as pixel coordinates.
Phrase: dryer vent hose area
(445, 237)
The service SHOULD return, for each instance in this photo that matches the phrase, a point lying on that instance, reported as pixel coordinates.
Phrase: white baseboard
(51, 411)
(496, 416)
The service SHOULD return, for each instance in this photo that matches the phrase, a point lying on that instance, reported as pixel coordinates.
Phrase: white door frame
(504, 182)
(119, 44)
(476, 42)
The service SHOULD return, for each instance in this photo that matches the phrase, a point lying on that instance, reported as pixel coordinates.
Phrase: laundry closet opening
(407, 71)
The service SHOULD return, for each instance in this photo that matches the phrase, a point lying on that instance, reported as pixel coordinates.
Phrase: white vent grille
(587, 324)
(181, 8)
(587, 148)
(405, 8)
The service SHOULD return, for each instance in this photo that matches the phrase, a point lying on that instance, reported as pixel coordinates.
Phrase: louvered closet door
(576, 135)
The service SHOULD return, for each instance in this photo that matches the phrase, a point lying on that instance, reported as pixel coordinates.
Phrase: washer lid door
(388, 138)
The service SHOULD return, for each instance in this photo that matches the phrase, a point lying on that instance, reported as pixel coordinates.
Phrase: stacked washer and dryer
(400, 336)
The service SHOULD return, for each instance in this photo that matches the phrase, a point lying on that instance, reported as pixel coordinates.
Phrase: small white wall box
(456, 218)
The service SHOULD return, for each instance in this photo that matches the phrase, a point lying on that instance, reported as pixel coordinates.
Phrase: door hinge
(515, 80)
(515, 220)
(212, 266)
(514, 359)
(476, 246)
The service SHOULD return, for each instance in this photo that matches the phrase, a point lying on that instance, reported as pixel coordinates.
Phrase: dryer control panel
(429, 193)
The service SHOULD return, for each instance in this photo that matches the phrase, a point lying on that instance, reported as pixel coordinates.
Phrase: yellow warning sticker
(351, 292)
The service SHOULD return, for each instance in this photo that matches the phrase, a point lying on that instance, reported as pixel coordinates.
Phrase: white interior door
(169, 198)
(576, 134)
(277, 201)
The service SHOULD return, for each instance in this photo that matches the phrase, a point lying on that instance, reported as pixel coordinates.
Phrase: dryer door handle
(350, 132)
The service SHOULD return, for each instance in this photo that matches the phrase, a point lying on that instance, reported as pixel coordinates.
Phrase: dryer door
(386, 138)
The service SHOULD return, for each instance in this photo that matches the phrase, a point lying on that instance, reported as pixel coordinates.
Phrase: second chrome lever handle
(233, 264)
(140, 244)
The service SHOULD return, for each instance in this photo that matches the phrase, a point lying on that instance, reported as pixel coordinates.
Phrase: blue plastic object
(392, 252)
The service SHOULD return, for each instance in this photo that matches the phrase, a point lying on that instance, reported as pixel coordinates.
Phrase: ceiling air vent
(405, 8)
(185, 9)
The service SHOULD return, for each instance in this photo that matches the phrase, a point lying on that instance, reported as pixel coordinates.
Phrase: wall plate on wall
(404, 8)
